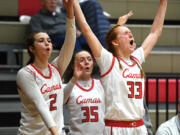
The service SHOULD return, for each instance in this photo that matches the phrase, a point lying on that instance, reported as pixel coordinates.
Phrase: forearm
(159, 19)
(68, 89)
(82, 23)
(90, 37)
(28, 87)
(156, 29)
(68, 46)
(53, 130)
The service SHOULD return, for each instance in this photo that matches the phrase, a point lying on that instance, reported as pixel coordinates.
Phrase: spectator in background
(172, 126)
(54, 23)
(95, 17)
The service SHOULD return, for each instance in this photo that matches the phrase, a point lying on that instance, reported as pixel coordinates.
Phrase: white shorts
(125, 131)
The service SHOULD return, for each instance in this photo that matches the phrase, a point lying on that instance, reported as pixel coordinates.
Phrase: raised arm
(156, 29)
(69, 43)
(90, 37)
(76, 75)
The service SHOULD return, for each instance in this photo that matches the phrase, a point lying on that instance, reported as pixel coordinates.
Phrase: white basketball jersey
(124, 88)
(86, 108)
(50, 87)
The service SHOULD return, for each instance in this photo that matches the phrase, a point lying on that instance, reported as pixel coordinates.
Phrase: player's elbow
(157, 32)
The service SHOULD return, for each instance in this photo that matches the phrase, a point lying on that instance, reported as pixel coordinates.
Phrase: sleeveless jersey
(86, 108)
(124, 88)
(50, 87)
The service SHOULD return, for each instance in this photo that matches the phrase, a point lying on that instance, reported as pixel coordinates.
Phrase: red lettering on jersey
(46, 89)
(126, 74)
(81, 100)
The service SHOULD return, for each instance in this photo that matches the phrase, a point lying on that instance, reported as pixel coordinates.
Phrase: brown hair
(69, 71)
(30, 42)
(143, 75)
(110, 36)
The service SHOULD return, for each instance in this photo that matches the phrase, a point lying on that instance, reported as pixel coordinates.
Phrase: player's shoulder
(24, 71)
(98, 84)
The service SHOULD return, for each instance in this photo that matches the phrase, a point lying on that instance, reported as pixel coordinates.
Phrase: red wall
(28, 7)
(162, 90)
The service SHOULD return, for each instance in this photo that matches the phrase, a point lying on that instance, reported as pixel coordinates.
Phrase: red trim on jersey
(125, 124)
(113, 61)
(92, 85)
(34, 74)
(57, 70)
(47, 77)
(136, 59)
(134, 63)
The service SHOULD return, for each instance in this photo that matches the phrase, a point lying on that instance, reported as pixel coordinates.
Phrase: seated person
(172, 126)
(54, 23)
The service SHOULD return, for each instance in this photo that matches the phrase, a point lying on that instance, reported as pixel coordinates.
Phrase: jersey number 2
(53, 101)
(135, 87)
(90, 112)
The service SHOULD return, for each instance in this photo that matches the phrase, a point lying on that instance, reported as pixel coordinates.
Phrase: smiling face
(124, 41)
(49, 5)
(85, 61)
(42, 46)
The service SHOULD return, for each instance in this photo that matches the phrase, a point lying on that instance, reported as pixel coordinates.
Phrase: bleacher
(164, 59)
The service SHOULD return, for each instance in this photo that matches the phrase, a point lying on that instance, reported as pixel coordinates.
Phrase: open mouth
(87, 68)
(131, 42)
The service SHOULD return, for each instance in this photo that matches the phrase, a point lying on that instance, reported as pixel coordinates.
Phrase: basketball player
(121, 72)
(86, 101)
(40, 85)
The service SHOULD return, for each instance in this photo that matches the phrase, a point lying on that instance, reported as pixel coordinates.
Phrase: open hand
(123, 19)
(77, 71)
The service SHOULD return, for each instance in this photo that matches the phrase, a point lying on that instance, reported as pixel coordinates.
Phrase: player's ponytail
(143, 75)
(30, 42)
(110, 36)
